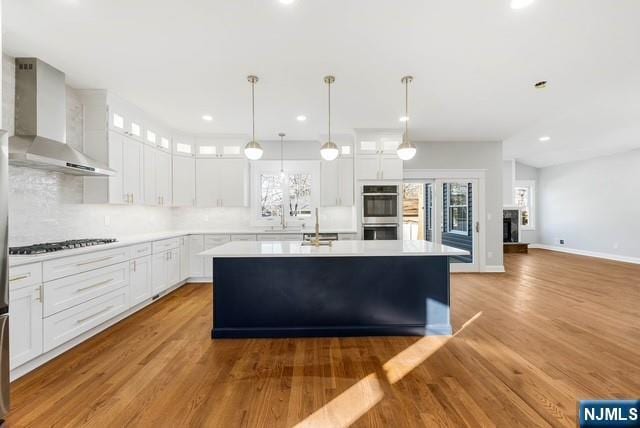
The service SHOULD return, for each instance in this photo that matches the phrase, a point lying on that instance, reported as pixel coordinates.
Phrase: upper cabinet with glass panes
(184, 146)
(220, 147)
(378, 143)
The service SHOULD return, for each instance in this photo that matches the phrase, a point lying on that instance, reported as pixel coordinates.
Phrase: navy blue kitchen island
(353, 288)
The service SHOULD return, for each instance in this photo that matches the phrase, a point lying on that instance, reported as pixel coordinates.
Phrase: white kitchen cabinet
(166, 270)
(26, 329)
(159, 272)
(184, 146)
(163, 177)
(212, 241)
(222, 182)
(196, 264)
(184, 258)
(224, 147)
(337, 182)
(66, 325)
(384, 143)
(66, 292)
(379, 167)
(157, 177)
(132, 171)
(173, 267)
(140, 279)
(184, 181)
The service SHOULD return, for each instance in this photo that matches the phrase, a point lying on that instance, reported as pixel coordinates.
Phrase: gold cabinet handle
(103, 259)
(107, 309)
(95, 285)
(20, 277)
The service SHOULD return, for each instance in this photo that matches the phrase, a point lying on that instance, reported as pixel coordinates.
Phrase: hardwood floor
(555, 329)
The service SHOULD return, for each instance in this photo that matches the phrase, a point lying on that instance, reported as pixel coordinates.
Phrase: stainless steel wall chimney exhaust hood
(40, 123)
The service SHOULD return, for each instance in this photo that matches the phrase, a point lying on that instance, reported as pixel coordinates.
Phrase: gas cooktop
(50, 247)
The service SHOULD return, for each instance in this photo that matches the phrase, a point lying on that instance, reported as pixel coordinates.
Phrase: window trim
(449, 207)
(258, 168)
(531, 185)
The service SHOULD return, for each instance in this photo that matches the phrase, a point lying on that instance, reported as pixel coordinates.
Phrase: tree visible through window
(523, 202)
(296, 187)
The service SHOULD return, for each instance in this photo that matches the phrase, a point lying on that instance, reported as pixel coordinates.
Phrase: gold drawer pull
(95, 285)
(107, 309)
(18, 278)
(104, 259)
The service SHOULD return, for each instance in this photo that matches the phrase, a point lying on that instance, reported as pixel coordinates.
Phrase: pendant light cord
(253, 110)
(329, 88)
(406, 109)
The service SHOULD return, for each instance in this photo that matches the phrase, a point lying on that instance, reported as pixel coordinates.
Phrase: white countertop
(20, 260)
(338, 249)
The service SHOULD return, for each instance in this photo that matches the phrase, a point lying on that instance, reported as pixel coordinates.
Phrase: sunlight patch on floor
(347, 407)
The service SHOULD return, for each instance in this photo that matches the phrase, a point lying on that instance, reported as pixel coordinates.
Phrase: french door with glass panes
(444, 211)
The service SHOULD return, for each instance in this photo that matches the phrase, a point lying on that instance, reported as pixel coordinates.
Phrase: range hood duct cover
(40, 123)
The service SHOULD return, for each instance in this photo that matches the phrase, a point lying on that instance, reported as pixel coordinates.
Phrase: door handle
(477, 227)
(107, 309)
(94, 261)
(95, 285)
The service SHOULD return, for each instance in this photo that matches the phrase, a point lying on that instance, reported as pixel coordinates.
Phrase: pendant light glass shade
(253, 149)
(329, 151)
(406, 150)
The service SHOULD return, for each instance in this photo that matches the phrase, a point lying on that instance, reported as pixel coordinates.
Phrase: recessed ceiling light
(207, 117)
(286, 1)
(544, 138)
(301, 118)
(541, 84)
(404, 118)
(520, 4)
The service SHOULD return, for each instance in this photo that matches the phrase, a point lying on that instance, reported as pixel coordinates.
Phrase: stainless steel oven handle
(380, 225)
(379, 194)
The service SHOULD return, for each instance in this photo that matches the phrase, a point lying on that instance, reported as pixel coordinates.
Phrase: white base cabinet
(140, 279)
(66, 325)
(166, 270)
(185, 256)
(196, 264)
(25, 329)
(212, 241)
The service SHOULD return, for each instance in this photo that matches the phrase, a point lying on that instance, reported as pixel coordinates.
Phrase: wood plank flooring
(555, 329)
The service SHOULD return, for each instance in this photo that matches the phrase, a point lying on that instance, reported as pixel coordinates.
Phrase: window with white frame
(293, 193)
(524, 193)
(458, 208)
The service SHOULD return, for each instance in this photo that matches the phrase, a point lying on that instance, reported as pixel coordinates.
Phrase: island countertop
(236, 249)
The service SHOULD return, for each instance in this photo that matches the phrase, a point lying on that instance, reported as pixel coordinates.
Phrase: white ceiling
(474, 64)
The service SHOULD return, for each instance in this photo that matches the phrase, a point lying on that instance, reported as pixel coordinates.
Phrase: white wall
(593, 205)
(508, 172)
(47, 206)
(471, 155)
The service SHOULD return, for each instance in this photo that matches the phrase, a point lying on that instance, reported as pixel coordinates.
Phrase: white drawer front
(165, 244)
(279, 237)
(141, 250)
(68, 324)
(72, 290)
(66, 266)
(26, 275)
(211, 241)
(243, 237)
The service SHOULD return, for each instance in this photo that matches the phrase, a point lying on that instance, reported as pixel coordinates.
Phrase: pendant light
(253, 149)
(329, 150)
(406, 150)
(282, 174)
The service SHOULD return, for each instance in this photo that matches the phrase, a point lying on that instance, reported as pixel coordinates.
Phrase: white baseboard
(494, 269)
(615, 257)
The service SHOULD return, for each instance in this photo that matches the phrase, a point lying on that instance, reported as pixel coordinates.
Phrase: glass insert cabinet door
(444, 212)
